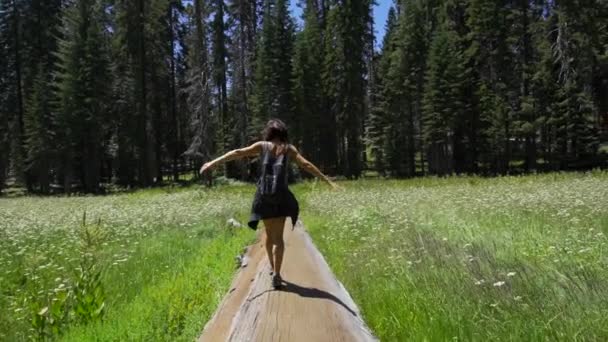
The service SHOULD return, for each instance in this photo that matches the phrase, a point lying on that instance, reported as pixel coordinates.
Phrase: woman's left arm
(240, 153)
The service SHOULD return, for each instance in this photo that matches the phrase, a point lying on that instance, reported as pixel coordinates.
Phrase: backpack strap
(266, 150)
(267, 153)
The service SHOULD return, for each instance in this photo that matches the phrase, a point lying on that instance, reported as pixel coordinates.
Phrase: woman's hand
(206, 167)
(334, 186)
(240, 153)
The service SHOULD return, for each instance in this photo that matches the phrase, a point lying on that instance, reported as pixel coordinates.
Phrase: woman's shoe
(276, 281)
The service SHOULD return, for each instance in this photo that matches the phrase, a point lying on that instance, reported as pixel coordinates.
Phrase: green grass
(463, 258)
(466, 258)
(166, 258)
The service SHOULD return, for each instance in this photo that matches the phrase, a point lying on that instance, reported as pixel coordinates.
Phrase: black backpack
(273, 174)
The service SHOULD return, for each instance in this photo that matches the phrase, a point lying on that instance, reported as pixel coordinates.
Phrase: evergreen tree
(197, 88)
(176, 34)
(444, 103)
(262, 99)
(159, 56)
(5, 85)
(574, 55)
(39, 132)
(544, 91)
(82, 92)
(307, 125)
(489, 57)
(524, 15)
(404, 84)
(243, 16)
(32, 25)
(131, 38)
(272, 78)
(4, 119)
(219, 67)
(347, 35)
(283, 54)
(11, 27)
(458, 86)
(378, 122)
(123, 127)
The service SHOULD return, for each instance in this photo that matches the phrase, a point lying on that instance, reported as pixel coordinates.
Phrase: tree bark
(144, 167)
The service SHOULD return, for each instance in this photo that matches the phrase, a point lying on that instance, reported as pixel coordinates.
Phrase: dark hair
(275, 129)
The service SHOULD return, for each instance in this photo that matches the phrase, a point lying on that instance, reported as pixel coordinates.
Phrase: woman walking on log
(273, 201)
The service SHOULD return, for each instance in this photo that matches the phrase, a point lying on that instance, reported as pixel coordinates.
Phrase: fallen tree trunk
(311, 306)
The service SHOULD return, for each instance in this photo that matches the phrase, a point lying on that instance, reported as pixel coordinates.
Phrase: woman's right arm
(308, 166)
(249, 151)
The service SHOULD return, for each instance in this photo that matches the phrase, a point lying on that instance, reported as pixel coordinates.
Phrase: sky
(380, 14)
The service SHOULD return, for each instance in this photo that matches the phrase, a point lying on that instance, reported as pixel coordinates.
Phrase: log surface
(312, 305)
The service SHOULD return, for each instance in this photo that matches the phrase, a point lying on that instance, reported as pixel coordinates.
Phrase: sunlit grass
(513, 258)
(166, 258)
(465, 258)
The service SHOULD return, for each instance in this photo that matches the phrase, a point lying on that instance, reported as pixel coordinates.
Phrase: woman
(273, 201)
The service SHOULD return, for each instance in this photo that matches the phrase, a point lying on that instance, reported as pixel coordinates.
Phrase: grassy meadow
(471, 259)
(463, 258)
(146, 266)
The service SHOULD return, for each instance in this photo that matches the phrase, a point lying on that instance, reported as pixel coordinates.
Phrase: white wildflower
(498, 284)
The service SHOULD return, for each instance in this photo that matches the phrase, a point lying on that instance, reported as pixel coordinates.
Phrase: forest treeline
(135, 92)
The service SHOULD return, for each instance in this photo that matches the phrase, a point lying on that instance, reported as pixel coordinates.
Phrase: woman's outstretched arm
(309, 167)
(249, 151)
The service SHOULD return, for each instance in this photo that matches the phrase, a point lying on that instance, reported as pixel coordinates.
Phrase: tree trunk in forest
(142, 122)
(19, 131)
(174, 137)
(530, 139)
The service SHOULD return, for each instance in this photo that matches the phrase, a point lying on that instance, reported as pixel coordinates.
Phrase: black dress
(283, 203)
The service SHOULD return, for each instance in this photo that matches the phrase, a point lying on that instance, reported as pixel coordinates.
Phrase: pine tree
(197, 90)
(307, 125)
(573, 53)
(243, 15)
(378, 121)
(39, 132)
(219, 67)
(489, 57)
(122, 112)
(272, 78)
(159, 56)
(465, 129)
(32, 42)
(5, 98)
(444, 98)
(82, 92)
(283, 55)
(176, 10)
(11, 27)
(4, 116)
(458, 86)
(524, 14)
(142, 30)
(404, 84)
(344, 73)
(132, 38)
(544, 91)
(262, 98)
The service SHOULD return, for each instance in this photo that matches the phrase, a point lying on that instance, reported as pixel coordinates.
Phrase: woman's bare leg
(274, 229)
(269, 244)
